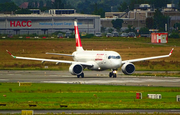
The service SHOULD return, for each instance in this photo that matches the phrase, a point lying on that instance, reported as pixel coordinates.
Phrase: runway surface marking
(122, 80)
(4, 79)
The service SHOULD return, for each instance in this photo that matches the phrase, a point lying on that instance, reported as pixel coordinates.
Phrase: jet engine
(76, 69)
(128, 68)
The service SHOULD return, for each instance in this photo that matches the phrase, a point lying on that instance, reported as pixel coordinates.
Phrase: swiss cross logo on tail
(77, 37)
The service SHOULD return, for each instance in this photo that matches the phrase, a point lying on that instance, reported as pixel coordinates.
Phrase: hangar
(19, 24)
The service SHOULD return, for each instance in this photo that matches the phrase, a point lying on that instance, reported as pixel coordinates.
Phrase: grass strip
(78, 96)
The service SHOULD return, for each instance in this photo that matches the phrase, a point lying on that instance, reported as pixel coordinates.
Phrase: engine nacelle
(76, 69)
(128, 68)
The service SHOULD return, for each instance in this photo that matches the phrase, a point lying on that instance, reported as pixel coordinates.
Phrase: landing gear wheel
(81, 75)
(110, 74)
(114, 75)
(78, 76)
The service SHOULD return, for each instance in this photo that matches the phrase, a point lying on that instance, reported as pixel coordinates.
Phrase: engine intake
(128, 68)
(76, 69)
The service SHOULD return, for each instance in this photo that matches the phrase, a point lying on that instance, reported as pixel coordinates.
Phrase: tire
(78, 76)
(114, 75)
(82, 75)
(110, 74)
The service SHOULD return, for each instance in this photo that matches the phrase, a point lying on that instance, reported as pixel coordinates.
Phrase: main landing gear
(81, 75)
(113, 73)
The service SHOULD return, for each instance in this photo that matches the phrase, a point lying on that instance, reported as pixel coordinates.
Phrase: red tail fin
(77, 37)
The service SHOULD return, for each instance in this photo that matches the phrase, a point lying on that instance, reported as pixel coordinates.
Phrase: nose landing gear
(113, 73)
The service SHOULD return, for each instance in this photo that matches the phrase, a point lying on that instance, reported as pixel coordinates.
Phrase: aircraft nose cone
(116, 63)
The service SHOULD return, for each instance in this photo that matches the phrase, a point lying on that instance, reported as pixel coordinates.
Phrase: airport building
(62, 20)
(18, 24)
(137, 17)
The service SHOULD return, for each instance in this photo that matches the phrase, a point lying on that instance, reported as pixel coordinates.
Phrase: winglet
(171, 52)
(10, 54)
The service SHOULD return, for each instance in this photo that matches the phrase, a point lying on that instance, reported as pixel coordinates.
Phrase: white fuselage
(101, 60)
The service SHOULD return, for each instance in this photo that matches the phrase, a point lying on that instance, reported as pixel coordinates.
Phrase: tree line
(97, 7)
(9, 6)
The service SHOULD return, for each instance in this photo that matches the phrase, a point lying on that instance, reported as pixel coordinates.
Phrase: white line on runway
(4, 79)
(53, 75)
(14, 74)
(133, 80)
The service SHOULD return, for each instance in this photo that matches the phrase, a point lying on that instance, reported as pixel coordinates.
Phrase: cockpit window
(114, 57)
(118, 57)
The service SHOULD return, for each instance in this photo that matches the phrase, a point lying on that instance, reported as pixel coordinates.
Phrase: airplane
(94, 60)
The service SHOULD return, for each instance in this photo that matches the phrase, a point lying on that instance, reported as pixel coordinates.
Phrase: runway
(91, 77)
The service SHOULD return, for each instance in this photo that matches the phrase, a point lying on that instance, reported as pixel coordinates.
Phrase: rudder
(77, 37)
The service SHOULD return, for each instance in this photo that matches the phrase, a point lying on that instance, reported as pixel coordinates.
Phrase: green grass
(77, 96)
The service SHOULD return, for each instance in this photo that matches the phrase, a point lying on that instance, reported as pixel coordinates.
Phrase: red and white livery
(94, 60)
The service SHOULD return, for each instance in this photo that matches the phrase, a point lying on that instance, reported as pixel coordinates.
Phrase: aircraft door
(104, 62)
(100, 59)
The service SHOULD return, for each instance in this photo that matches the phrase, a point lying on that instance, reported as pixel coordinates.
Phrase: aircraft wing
(51, 60)
(147, 58)
(60, 54)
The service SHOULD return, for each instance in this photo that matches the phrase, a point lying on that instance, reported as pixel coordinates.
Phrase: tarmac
(91, 77)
